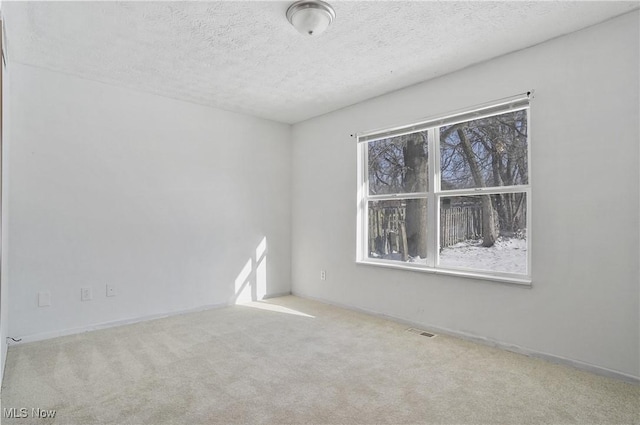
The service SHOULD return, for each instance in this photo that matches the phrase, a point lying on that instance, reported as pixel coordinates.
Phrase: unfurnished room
(320, 212)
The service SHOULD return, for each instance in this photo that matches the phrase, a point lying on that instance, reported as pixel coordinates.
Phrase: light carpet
(294, 361)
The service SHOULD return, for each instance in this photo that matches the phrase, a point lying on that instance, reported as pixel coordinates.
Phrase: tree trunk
(403, 242)
(488, 217)
(416, 223)
(416, 179)
(488, 222)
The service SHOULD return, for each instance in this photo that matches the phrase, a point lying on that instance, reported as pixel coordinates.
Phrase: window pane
(398, 230)
(398, 164)
(484, 232)
(487, 152)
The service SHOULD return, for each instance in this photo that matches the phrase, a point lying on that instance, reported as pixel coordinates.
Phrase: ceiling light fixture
(311, 17)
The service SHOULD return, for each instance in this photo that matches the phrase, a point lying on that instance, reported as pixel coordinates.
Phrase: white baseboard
(598, 370)
(94, 327)
(64, 332)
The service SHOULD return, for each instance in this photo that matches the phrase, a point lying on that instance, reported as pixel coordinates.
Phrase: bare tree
(489, 152)
(399, 165)
(416, 180)
(488, 219)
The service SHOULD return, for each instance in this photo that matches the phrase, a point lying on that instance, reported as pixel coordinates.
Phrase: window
(449, 195)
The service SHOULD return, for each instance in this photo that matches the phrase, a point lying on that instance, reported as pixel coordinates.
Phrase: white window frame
(434, 194)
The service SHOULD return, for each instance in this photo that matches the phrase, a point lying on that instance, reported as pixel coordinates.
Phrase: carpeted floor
(295, 361)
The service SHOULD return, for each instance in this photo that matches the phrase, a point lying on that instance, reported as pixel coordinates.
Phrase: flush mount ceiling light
(311, 17)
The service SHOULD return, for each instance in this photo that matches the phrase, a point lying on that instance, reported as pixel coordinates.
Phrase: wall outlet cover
(85, 294)
(44, 299)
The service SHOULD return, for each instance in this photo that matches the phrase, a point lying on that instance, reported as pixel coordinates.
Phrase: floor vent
(421, 332)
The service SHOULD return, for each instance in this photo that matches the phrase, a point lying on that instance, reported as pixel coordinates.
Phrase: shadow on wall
(251, 283)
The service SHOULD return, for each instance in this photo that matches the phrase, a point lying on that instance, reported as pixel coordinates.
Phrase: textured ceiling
(245, 57)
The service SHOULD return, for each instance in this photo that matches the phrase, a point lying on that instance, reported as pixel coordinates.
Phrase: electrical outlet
(85, 294)
(44, 299)
(323, 275)
(111, 290)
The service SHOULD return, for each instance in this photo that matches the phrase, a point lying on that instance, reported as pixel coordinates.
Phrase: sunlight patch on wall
(251, 283)
(243, 284)
(261, 276)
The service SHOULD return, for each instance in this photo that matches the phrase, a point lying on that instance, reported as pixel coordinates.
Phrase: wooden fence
(387, 233)
(458, 224)
(386, 229)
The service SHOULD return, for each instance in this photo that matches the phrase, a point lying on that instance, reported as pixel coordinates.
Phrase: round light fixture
(310, 17)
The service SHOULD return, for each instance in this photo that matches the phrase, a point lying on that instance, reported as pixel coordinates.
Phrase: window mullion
(363, 188)
(432, 203)
(398, 196)
(485, 190)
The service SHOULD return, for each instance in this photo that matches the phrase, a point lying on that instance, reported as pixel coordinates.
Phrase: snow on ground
(506, 255)
(396, 256)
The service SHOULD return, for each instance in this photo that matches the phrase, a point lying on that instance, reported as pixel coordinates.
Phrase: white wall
(584, 302)
(4, 289)
(166, 200)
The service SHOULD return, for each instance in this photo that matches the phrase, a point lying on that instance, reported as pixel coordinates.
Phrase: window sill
(521, 281)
